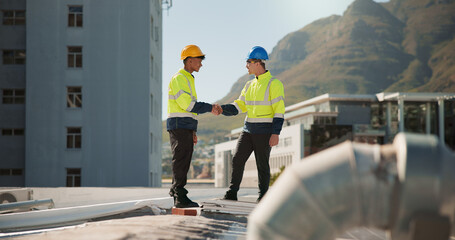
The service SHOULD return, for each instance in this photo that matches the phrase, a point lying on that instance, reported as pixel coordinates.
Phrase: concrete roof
(143, 225)
(414, 96)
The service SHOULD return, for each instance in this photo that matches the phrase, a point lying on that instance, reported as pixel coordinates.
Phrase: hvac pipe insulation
(353, 185)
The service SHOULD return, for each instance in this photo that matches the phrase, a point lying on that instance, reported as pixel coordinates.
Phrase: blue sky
(226, 30)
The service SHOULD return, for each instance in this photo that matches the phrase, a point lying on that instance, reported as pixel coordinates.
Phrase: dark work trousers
(182, 150)
(259, 143)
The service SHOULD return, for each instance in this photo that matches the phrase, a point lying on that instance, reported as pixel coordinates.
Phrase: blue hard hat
(257, 52)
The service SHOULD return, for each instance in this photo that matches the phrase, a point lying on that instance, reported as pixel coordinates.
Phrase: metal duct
(25, 205)
(352, 185)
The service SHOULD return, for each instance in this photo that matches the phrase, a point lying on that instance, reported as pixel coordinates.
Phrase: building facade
(80, 85)
(324, 121)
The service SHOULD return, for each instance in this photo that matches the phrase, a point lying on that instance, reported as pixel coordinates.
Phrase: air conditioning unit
(15, 195)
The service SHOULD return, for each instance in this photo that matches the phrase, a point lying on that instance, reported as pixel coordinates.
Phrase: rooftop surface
(217, 219)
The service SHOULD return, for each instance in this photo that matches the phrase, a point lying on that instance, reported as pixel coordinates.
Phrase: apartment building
(80, 90)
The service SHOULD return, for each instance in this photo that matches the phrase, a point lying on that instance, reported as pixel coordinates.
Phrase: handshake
(216, 109)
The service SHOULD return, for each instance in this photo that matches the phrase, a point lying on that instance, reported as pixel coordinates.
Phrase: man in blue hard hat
(263, 100)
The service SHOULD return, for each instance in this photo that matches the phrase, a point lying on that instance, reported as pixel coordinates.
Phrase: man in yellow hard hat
(182, 110)
(263, 100)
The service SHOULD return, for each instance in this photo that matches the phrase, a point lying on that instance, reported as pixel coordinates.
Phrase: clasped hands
(216, 109)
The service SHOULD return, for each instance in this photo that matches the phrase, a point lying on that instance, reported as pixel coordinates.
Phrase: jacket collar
(187, 74)
(264, 77)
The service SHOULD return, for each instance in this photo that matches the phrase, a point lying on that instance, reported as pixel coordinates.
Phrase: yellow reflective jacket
(263, 100)
(183, 107)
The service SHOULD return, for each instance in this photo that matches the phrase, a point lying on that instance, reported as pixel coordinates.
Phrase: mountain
(400, 45)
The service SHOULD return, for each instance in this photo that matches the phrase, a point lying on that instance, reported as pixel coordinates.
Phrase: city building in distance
(324, 121)
(80, 93)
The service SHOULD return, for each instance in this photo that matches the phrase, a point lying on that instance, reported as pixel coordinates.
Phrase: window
(74, 16)
(73, 137)
(393, 128)
(13, 96)
(74, 56)
(11, 171)
(324, 120)
(415, 117)
(74, 97)
(151, 104)
(73, 177)
(151, 66)
(14, 57)
(151, 27)
(14, 17)
(154, 30)
(156, 34)
(151, 142)
(449, 123)
(378, 118)
(12, 132)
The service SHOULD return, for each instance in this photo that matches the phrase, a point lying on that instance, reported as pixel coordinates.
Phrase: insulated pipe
(353, 185)
(25, 205)
(427, 187)
(327, 194)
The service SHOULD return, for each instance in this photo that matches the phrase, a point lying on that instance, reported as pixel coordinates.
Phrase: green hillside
(401, 45)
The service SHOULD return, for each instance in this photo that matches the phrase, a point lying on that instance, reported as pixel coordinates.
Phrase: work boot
(182, 201)
(230, 195)
(260, 197)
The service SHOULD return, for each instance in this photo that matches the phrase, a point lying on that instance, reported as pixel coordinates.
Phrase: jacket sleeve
(229, 110)
(277, 99)
(240, 104)
(201, 107)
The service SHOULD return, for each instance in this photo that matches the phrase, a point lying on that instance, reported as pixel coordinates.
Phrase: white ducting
(26, 205)
(426, 170)
(72, 215)
(348, 186)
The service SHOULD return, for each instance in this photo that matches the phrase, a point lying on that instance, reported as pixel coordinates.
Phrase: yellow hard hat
(191, 51)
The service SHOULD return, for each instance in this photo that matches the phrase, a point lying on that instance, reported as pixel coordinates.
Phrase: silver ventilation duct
(406, 188)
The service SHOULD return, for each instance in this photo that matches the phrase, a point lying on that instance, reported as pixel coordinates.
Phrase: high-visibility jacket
(263, 100)
(183, 107)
